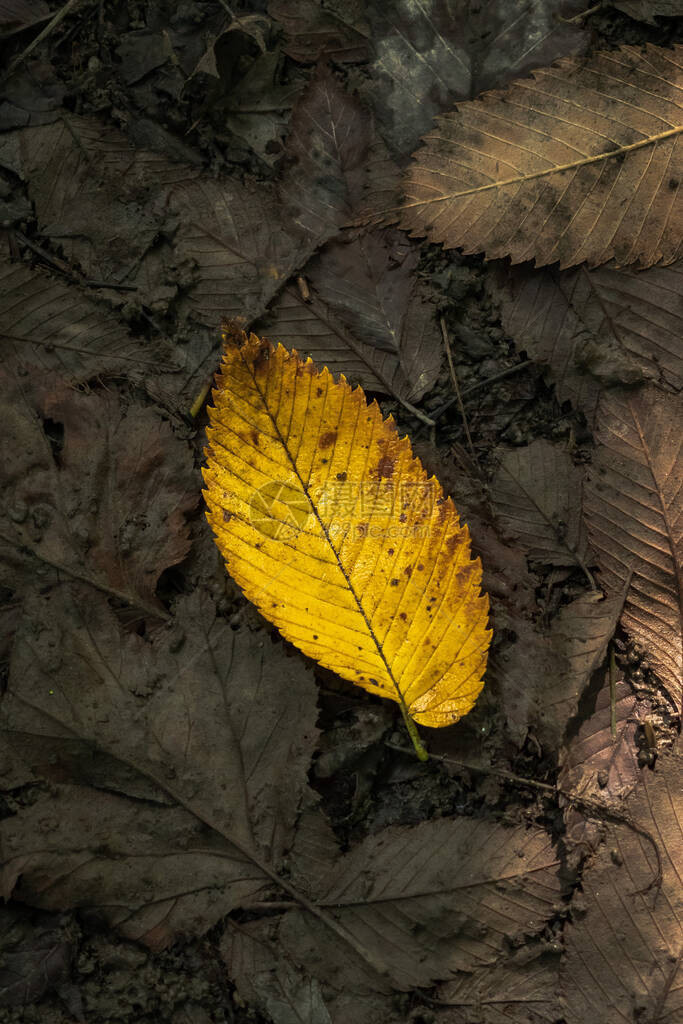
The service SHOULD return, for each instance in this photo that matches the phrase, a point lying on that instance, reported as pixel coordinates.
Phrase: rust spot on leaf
(327, 439)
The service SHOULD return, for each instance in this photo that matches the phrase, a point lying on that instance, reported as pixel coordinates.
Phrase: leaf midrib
(558, 169)
(314, 510)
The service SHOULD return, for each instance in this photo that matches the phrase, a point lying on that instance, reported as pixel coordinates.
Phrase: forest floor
(163, 167)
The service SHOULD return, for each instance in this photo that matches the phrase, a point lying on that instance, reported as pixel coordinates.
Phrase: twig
(613, 694)
(456, 386)
(581, 15)
(481, 384)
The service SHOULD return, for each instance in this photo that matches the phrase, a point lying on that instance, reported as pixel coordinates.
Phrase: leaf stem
(420, 749)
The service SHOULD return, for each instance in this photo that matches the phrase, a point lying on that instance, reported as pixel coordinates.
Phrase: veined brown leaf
(581, 162)
(333, 529)
(635, 522)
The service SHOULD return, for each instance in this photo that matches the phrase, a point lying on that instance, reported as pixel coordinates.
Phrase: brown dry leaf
(517, 991)
(579, 163)
(597, 327)
(325, 153)
(333, 529)
(48, 324)
(106, 503)
(233, 234)
(446, 896)
(597, 766)
(634, 515)
(336, 29)
(368, 316)
(623, 952)
(430, 54)
(536, 496)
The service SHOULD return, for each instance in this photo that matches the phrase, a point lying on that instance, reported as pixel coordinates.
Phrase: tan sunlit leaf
(635, 520)
(581, 162)
(335, 532)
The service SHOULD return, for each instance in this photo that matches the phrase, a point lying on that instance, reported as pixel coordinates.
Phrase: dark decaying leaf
(268, 980)
(35, 956)
(649, 10)
(74, 167)
(47, 324)
(16, 15)
(539, 676)
(634, 513)
(429, 55)
(219, 721)
(242, 254)
(623, 953)
(597, 765)
(219, 727)
(106, 502)
(597, 327)
(579, 163)
(257, 108)
(329, 139)
(536, 495)
(336, 29)
(368, 316)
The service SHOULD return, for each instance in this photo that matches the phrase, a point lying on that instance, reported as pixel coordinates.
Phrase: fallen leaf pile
(176, 780)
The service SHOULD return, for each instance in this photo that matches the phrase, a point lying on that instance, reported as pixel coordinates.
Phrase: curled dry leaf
(104, 503)
(334, 531)
(581, 162)
(635, 520)
(368, 316)
(623, 954)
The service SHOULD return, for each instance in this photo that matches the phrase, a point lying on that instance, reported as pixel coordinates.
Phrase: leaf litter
(203, 175)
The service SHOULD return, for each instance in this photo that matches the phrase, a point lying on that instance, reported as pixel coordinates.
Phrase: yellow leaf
(334, 531)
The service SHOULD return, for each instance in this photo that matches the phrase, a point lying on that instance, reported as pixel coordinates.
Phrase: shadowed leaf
(368, 317)
(93, 491)
(623, 955)
(338, 30)
(536, 495)
(329, 139)
(598, 327)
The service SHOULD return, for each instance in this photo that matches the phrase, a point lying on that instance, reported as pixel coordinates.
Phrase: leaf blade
(275, 515)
